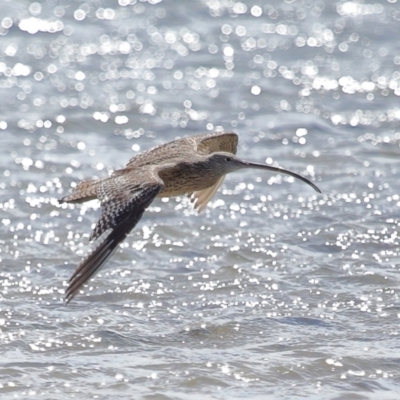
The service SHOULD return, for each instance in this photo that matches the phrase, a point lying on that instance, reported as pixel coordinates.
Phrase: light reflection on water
(273, 291)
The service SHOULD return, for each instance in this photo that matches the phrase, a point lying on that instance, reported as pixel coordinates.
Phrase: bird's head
(226, 162)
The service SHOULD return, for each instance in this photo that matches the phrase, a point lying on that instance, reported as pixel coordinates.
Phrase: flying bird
(195, 166)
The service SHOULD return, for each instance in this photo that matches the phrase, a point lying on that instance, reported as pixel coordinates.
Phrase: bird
(195, 166)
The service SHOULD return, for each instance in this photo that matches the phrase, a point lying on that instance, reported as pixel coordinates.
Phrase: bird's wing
(84, 191)
(201, 198)
(164, 153)
(204, 144)
(124, 199)
(208, 144)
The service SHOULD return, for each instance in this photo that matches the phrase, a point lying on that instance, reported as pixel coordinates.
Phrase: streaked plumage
(194, 166)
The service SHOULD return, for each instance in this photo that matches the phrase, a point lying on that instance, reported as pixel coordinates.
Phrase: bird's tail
(84, 191)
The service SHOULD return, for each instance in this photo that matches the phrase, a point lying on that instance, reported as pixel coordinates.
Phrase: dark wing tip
(100, 255)
(94, 261)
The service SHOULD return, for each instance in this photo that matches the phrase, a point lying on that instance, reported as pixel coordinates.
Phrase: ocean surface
(274, 291)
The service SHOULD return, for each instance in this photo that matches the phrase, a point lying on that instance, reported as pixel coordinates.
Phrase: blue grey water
(275, 291)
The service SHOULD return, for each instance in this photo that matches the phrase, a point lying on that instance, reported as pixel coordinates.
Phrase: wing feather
(201, 198)
(225, 141)
(123, 204)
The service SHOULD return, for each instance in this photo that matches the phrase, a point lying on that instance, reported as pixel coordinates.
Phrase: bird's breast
(185, 178)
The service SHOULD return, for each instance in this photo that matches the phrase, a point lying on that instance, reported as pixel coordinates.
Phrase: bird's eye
(228, 159)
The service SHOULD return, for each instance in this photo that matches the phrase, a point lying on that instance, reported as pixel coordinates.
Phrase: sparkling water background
(275, 291)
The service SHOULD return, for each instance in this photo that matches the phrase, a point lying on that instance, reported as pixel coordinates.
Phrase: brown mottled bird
(194, 166)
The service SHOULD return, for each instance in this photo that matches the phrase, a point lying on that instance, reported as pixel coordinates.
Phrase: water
(274, 291)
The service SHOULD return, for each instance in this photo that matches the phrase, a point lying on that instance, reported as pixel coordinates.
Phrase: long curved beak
(282, 171)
